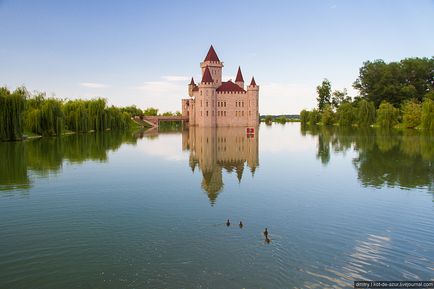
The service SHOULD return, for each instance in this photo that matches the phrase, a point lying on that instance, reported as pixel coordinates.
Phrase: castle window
(206, 113)
(206, 103)
(225, 112)
(225, 103)
(201, 102)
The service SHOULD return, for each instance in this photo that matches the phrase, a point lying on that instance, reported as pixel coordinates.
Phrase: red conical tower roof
(211, 55)
(253, 83)
(192, 81)
(207, 75)
(239, 76)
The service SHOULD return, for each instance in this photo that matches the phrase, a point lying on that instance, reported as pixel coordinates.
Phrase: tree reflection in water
(46, 155)
(385, 157)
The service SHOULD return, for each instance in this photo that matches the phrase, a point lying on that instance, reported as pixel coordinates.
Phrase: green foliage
(387, 115)
(44, 116)
(12, 106)
(345, 114)
(324, 94)
(168, 113)
(150, 111)
(304, 116)
(281, 119)
(132, 111)
(427, 117)
(268, 119)
(365, 113)
(340, 97)
(411, 114)
(49, 117)
(76, 115)
(314, 117)
(396, 82)
(328, 116)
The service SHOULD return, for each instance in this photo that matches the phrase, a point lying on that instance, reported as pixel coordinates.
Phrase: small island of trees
(396, 94)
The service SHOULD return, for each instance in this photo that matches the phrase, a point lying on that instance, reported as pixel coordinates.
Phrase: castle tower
(253, 99)
(214, 64)
(205, 101)
(191, 86)
(239, 80)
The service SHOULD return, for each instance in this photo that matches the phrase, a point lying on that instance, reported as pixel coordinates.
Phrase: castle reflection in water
(215, 149)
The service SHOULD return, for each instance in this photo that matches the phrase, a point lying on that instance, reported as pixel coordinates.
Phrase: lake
(148, 209)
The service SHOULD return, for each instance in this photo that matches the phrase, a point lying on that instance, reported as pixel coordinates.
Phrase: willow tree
(411, 113)
(96, 109)
(44, 116)
(345, 114)
(365, 113)
(304, 116)
(12, 106)
(387, 115)
(427, 117)
(76, 115)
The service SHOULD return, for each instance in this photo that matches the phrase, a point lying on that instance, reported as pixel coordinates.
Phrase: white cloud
(93, 85)
(175, 78)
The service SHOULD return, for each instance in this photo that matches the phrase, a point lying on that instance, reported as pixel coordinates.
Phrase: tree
(340, 97)
(167, 113)
(427, 117)
(387, 115)
(365, 113)
(345, 114)
(395, 82)
(304, 116)
(411, 113)
(314, 117)
(328, 116)
(324, 94)
(12, 106)
(150, 111)
(268, 119)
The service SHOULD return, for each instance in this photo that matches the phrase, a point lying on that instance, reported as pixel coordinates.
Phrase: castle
(214, 102)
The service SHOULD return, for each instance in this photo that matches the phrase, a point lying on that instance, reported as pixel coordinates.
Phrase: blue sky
(144, 52)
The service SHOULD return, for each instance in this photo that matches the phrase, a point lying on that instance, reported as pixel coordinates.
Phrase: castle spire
(212, 55)
(207, 75)
(253, 83)
(239, 77)
(192, 81)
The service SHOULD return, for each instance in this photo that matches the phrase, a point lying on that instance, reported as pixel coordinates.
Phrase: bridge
(154, 121)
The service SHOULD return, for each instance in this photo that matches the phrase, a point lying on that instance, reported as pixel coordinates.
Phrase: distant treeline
(395, 94)
(22, 112)
(282, 118)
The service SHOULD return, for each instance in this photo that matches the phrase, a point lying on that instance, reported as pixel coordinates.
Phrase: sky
(145, 52)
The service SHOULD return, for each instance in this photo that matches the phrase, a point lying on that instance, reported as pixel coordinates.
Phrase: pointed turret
(239, 80)
(253, 82)
(191, 87)
(239, 75)
(206, 77)
(212, 55)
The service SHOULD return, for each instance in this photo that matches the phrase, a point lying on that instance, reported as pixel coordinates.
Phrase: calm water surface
(148, 210)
